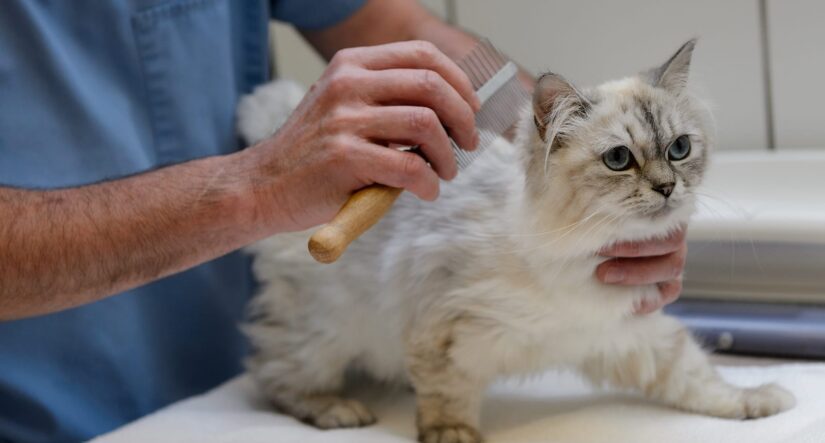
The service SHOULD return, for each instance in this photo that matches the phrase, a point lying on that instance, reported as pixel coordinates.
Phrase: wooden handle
(359, 213)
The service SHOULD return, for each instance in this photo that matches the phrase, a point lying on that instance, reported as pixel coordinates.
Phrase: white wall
(593, 40)
(797, 54)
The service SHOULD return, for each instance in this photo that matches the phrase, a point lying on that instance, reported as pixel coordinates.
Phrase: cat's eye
(618, 159)
(679, 149)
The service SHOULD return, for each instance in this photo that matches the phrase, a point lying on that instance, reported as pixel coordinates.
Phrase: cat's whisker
(739, 210)
(566, 231)
(605, 221)
(553, 241)
(541, 233)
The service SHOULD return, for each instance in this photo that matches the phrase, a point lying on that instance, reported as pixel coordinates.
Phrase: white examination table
(557, 407)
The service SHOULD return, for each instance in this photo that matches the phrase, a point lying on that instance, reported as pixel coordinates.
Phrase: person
(121, 174)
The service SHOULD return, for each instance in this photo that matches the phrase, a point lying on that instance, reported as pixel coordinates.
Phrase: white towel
(557, 407)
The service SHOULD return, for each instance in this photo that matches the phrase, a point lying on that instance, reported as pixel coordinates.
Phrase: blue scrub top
(97, 89)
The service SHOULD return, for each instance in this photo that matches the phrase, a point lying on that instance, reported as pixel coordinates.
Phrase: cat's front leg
(658, 356)
(448, 397)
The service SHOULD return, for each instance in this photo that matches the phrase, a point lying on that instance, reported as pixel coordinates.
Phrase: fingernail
(476, 140)
(614, 275)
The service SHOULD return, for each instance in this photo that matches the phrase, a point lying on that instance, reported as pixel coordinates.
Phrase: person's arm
(384, 21)
(64, 248)
(657, 262)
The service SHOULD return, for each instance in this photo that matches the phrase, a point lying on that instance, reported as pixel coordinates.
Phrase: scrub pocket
(188, 63)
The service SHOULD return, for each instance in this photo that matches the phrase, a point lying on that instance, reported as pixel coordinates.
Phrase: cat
(495, 278)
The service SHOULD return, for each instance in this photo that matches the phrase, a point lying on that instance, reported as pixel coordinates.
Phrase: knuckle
(469, 116)
(678, 266)
(466, 120)
(341, 80)
(683, 256)
(342, 57)
(343, 118)
(424, 50)
(429, 82)
(422, 119)
(339, 150)
(412, 167)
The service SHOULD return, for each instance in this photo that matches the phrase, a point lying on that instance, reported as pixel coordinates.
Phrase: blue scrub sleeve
(314, 14)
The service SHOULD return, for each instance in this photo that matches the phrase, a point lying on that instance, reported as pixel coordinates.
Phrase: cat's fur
(495, 278)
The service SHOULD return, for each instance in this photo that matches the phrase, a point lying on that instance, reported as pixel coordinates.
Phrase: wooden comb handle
(362, 210)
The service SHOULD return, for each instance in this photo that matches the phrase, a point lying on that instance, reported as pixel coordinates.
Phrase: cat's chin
(670, 211)
(661, 212)
(654, 224)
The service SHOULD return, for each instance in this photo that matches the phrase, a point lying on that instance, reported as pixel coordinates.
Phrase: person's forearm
(63, 248)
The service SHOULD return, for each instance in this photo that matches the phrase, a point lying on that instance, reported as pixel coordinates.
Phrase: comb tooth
(464, 64)
(481, 70)
(489, 59)
(464, 158)
(493, 56)
(482, 63)
(485, 67)
(472, 74)
(478, 73)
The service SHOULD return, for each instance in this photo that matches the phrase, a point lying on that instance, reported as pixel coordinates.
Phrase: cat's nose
(664, 188)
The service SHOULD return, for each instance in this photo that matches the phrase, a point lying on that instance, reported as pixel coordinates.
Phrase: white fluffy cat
(496, 277)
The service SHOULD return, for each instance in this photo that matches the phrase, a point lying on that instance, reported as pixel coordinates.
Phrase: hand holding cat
(336, 141)
(659, 262)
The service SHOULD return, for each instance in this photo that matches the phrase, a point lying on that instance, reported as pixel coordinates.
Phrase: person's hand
(336, 141)
(658, 262)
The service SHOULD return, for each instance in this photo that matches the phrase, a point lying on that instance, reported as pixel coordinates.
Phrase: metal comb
(495, 79)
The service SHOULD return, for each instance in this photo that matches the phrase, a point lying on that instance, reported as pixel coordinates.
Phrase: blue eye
(679, 149)
(618, 159)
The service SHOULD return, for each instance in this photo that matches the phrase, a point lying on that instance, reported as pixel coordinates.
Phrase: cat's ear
(673, 74)
(555, 100)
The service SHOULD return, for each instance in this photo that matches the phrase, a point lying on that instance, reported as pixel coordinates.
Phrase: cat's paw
(766, 400)
(453, 433)
(761, 401)
(342, 413)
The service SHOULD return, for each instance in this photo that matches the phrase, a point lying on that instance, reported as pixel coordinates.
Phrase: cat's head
(628, 153)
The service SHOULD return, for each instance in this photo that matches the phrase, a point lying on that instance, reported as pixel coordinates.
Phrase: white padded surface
(557, 407)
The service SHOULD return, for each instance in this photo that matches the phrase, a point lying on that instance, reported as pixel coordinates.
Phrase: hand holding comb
(501, 94)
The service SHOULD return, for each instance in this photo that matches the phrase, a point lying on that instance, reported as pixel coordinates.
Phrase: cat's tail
(262, 112)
